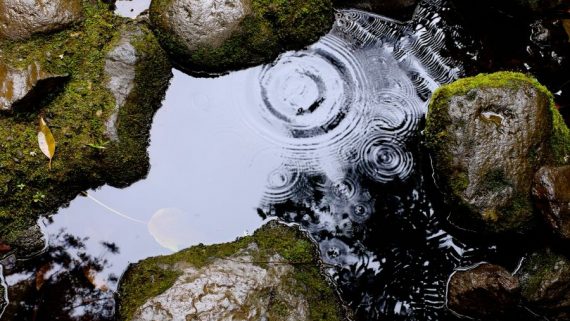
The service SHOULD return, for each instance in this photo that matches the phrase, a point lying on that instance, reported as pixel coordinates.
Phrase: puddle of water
(327, 138)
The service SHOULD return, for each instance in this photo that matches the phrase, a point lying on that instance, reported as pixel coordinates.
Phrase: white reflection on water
(131, 8)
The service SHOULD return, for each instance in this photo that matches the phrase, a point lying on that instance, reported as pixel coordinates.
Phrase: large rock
(272, 275)
(482, 292)
(551, 191)
(20, 19)
(24, 87)
(545, 284)
(217, 36)
(488, 135)
(402, 9)
(118, 74)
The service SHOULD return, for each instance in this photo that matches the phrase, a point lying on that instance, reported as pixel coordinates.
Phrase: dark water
(328, 138)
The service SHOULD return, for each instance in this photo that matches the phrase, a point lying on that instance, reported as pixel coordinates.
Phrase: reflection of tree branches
(60, 283)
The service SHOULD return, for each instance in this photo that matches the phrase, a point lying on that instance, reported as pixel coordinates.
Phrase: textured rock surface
(272, 275)
(545, 283)
(20, 19)
(216, 36)
(484, 291)
(488, 135)
(120, 67)
(226, 288)
(402, 9)
(551, 191)
(23, 87)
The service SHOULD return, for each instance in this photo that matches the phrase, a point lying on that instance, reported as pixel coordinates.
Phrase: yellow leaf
(46, 140)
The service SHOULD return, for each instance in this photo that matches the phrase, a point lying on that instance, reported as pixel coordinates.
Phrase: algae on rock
(273, 274)
(217, 36)
(488, 135)
(78, 116)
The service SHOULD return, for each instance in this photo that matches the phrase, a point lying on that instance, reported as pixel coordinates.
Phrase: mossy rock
(488, 135)
(78, 115)
(545, 282)
(219, 36)
(273, 273)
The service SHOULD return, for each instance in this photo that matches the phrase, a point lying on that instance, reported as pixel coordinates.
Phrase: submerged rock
(271, 275)
(485, 291)
(100, 119)
(217, 36)
(402, 9)
(488, 135)
(20, 19)
(25, 87)
(551, 191)
(545, 284)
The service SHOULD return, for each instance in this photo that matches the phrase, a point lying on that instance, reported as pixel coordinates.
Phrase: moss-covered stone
(274, 247)
(489, 134)
(545, 283)
(77, 116)
(205, 38)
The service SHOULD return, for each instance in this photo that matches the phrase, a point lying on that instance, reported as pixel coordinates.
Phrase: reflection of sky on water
(124, 7)
(201, 160)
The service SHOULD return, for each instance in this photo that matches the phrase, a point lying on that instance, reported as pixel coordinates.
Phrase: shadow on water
(62, 284)
(328, 138)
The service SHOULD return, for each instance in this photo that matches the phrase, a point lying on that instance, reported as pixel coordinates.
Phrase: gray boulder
(488, 136)
(20, 88)
(20, 19)
(551, 192)
(485, 291)
(271, 275)
(216, 36)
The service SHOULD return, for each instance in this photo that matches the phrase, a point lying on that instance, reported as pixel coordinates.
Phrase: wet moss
(438, 118)
(77, 117)
(272, 26)
(153, 276)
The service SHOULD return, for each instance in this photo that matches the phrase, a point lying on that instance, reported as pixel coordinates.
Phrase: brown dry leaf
(46, 141)
(566, 24)
(41, 275)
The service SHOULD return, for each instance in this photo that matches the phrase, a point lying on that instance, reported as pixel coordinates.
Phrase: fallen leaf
(46, 141)
(566, 24)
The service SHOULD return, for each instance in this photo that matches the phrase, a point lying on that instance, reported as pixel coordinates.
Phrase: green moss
(273, 26)
(540, 268)
(153, 276)
(77, 117)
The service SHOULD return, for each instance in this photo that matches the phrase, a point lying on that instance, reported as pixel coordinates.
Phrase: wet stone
(21, 88)
(551, 192)
(545, 283)
(253, 278)
(20, 19)
(485, 291)
(472, 126)
(217, 36)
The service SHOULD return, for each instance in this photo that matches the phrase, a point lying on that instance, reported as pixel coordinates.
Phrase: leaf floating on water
(46, 141)
(170, 227)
